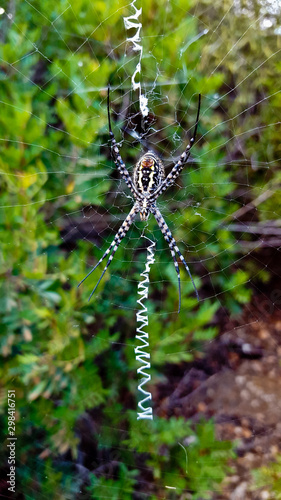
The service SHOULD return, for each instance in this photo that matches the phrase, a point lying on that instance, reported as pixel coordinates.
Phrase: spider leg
(121, 233)
(116, 155)
(173, 248)
(177, 168)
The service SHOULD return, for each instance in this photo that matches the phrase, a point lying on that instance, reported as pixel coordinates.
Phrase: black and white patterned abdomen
(149, 173)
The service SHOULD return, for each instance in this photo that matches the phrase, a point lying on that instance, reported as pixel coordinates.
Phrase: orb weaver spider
(146, 185)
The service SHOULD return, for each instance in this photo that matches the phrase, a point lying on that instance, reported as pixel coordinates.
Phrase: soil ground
(237, 383)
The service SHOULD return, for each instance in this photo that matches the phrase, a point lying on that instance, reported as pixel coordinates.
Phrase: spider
(148, 182)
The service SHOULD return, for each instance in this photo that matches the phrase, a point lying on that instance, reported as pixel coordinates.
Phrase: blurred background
(215, 367)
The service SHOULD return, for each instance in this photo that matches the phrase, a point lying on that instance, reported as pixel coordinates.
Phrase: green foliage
(269, 478)
(181, 458)
(115, 489)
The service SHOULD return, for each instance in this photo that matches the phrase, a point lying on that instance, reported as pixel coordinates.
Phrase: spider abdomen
(149, 173)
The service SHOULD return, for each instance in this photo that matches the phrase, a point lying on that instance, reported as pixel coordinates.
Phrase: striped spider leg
(177, 168)
(121, 233)
(146, 184)
(116, 155)
(173, 249)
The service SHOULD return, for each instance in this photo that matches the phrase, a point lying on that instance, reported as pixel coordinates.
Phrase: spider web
(223, 210)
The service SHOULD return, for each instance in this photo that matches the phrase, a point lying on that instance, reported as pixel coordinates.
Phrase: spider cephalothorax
(147, 184)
